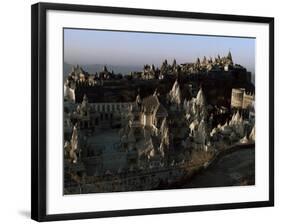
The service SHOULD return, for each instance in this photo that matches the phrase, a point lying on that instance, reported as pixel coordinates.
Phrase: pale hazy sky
(137, 48)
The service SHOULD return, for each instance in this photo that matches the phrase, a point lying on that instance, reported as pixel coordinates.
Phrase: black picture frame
(38, 108)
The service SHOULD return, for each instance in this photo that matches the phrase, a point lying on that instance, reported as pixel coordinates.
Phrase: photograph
(146, 111)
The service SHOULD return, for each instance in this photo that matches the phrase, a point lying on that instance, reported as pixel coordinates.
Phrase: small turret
(175, 94)
(74, 145)
(204, 60)
(174, 63)
(138, 100)
(105, 69)
(85, 98)
(229, 56)
(200, 98)
(155, 92)
(85, 105)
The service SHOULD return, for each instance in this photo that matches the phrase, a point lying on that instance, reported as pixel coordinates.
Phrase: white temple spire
(175, 93)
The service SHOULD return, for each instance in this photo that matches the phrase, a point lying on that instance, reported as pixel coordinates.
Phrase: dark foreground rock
(232, 169)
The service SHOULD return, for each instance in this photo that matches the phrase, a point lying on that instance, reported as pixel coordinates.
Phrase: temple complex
(152, 127)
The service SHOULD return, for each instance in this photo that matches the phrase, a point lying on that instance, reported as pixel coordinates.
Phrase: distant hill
(98, 67)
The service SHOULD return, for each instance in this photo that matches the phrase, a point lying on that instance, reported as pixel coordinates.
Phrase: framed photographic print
(139, 111)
